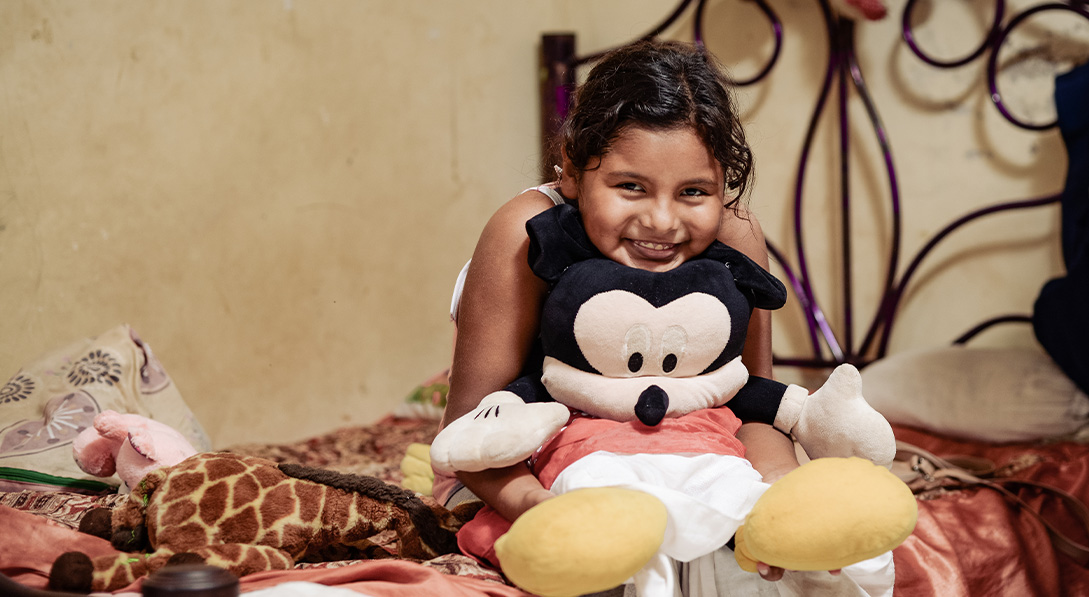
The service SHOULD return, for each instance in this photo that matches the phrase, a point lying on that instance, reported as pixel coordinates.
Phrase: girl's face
(654, 200)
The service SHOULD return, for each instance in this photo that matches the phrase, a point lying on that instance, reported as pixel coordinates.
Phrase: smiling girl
(656, 162)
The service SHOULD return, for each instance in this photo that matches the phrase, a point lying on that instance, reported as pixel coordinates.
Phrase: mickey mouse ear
(557, 240)
(763, 290)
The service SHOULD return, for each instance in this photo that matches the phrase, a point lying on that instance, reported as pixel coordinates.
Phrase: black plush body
(562, 255)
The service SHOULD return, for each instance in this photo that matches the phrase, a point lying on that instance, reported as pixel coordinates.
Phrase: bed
(971, 539)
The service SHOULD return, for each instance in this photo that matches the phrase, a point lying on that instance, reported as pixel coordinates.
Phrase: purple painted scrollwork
(994, 40)
(843, 74)
(559, 62)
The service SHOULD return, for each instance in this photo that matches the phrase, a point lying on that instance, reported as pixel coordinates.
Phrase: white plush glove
(502, 431)
(836, 420)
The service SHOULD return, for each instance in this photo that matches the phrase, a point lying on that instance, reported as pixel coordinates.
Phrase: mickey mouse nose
(652, 405)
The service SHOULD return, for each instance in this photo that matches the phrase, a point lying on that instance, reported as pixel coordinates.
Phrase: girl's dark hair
(658, 85)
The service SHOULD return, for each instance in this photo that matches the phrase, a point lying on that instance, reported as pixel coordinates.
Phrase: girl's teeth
(654, 246)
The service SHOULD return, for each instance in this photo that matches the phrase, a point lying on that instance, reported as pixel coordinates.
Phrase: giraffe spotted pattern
(247, 515)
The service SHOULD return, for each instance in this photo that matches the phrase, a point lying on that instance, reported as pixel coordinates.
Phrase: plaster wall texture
(278, 194)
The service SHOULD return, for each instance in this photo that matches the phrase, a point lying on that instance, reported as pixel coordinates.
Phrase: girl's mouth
(651, 246)
(654, 256)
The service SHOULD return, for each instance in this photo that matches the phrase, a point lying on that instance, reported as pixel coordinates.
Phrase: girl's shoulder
(514, 214)
(741, 230)
(534, 200)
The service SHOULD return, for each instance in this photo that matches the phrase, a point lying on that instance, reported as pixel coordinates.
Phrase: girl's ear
(569, 186)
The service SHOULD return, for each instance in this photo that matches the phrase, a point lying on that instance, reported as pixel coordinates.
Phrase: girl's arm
(770, 452)
(498, 320)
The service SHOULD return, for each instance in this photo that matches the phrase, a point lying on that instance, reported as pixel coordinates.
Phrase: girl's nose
(660, 215)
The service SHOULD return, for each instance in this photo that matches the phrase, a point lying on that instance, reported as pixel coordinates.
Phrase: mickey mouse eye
(674, 342)
(636, 344)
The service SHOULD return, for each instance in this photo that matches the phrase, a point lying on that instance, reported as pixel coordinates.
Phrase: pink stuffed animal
(130, 445)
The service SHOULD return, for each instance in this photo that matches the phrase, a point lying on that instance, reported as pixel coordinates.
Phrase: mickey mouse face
(622, 335)
(620, 322)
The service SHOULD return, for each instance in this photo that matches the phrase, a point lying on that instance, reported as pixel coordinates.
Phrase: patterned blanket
(375, 450)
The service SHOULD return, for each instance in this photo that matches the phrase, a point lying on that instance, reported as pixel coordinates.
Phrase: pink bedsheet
(967, 542)
(31, 543)
(975, 542)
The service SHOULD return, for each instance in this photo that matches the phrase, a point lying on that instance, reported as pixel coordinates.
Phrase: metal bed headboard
(830, 347)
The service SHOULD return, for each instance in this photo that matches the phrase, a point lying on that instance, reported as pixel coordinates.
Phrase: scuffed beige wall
(278, 194)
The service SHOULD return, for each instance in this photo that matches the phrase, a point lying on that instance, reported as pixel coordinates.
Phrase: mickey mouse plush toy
(642, 387)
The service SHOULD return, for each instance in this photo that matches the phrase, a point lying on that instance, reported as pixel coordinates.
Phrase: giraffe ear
(97, 522)
(72, 572)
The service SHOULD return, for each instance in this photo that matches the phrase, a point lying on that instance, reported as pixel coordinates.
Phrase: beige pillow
(48, 402)
(997, 395)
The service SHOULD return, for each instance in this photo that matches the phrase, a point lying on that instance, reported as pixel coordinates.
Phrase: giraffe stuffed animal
(249, 514)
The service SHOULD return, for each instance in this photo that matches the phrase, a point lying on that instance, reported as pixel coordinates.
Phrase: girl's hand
(774, 474)
(773, 574)
(769, 573)
(511, 491)
(534, 497)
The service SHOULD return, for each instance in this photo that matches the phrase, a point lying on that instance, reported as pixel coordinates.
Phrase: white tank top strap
(459, 286)
(550, 190)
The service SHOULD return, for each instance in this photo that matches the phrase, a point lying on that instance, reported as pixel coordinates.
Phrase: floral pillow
(48, 402)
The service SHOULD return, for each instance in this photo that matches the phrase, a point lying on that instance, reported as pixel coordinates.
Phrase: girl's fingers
(770, 573)
(773, 574)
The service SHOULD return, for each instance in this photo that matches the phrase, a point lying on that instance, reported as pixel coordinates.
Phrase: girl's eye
(630, 186)
(692, 192)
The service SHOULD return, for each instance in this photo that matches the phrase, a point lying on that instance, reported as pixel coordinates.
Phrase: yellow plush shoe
(416, 466)
(827, 514)
(582, 542)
